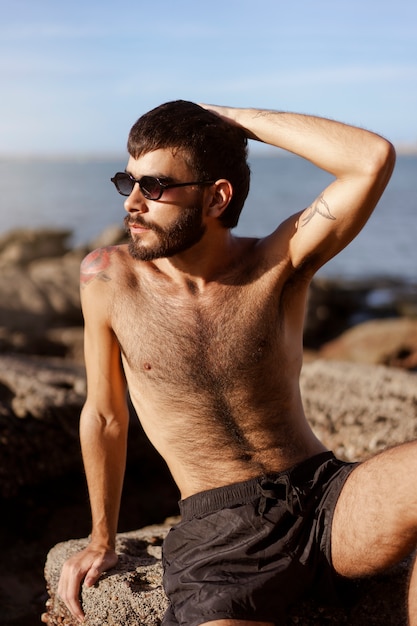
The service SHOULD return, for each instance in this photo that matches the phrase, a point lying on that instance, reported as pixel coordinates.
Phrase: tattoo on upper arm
(319, 206)
(265, 113)
(95, 265)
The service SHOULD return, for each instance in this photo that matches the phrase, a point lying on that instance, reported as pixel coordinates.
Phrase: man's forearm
(337, 148)
(103, 444)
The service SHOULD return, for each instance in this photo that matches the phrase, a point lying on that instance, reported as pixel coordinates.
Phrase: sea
(76, 194)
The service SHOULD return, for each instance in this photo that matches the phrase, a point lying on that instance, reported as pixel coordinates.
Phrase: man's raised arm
(360, 161)
(103, 434)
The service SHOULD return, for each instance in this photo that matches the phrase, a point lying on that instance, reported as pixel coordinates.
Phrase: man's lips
(138, 225)
(135, 226)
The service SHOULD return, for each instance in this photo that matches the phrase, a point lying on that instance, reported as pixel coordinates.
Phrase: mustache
(138, 221)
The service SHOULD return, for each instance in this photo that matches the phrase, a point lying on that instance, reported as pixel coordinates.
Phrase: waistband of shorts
(235, 494)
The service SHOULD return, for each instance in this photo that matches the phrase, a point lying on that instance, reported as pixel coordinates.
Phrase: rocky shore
(358, 384)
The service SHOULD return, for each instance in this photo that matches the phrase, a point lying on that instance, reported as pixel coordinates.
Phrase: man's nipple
(147, 366)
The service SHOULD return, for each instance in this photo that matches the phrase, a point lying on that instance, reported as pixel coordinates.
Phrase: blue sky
(75, 75)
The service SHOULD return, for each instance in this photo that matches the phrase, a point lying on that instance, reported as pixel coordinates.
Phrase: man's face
(172, 224)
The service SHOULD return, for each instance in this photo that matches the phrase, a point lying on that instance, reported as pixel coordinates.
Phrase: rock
(359, 409)
(130, 594)
(335, 305)
(356, 409)
(39, 289)
(40, 404)
(43, 294)
(19, 341)
(69, 342)
(387, 342)
(21, 246)
(331, 306)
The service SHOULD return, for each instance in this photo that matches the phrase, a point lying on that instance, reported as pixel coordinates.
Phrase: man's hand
(228, 114)
(87, 566)
(232, 115)
(222, 111)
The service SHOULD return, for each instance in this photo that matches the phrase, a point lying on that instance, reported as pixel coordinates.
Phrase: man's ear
(219, 196)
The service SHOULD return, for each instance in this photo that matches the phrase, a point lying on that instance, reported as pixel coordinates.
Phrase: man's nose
(136, 203)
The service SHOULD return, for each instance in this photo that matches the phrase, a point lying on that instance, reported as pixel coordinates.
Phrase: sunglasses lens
(150, 187)
(124, 184)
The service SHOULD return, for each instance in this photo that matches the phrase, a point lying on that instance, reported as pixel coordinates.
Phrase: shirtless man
(205, 329)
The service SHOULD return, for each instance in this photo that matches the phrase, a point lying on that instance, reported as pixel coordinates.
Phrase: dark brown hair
(212, 147)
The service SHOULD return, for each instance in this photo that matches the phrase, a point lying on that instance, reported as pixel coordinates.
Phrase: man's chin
(142, 254)
(165, 248)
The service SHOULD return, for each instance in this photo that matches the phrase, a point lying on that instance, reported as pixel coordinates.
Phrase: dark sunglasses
(152, 188)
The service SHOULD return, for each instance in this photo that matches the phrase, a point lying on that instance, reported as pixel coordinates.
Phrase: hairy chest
(217, 339)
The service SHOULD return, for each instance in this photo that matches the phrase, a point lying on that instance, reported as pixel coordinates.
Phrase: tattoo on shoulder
(95, 265)
(320, 207)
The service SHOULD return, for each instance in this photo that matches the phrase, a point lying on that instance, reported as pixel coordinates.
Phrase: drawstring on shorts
(289, 487)
(280, 488)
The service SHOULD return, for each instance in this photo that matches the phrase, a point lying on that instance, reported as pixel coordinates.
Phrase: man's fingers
(98, 566)
(72, 603)
(93, 575)
(69, 589)
(87, 565)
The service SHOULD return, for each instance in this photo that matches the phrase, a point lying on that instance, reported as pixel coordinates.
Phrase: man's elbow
(106, 418)
(383, 162)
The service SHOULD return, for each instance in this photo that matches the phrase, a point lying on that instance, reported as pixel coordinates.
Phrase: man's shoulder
(268, 259)
(102, 263)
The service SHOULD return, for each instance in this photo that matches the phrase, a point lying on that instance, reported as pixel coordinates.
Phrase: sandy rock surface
(390, 341)
(40, 402)
(358, 409)
(130, 594)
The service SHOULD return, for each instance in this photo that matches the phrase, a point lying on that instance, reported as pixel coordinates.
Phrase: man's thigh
(375, 519)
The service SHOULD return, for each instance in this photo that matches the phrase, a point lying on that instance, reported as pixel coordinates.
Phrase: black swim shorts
(249, 550)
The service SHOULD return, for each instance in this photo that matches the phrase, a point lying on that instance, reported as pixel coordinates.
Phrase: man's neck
(204, 263)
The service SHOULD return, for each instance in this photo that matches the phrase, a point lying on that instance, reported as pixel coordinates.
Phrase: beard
(186, 231)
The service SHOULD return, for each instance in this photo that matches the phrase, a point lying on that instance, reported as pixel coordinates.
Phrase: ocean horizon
(75, 193)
